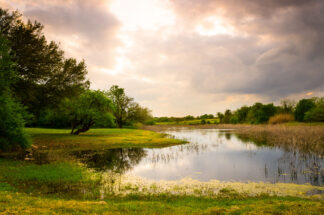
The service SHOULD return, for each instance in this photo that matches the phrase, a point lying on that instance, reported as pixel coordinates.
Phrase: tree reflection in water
(117, 160)
(215, 153)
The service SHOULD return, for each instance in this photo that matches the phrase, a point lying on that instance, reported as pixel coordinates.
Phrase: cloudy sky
(181, 57)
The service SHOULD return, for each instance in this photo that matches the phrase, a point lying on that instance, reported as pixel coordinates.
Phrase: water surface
(211, 154)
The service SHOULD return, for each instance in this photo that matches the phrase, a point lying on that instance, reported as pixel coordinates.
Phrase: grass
(99, 139)
(64, 186)
(18, 203)
(59, 178)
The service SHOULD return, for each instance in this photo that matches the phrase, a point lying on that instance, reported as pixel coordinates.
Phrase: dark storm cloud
(293, 60)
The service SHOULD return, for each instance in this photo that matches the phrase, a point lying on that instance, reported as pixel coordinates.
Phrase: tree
(227, 116)
(12, 133)
(316, 114)
(302, 107)
(189, 117)
(136, 113)
(220, 116)
(287, 106)
(260, 113)
(44, 76)
(121, 104)
(241, 114)
(87, 109)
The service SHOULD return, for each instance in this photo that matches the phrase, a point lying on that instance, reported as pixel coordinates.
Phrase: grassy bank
(99, 139)
(17, 203)
(64, 185)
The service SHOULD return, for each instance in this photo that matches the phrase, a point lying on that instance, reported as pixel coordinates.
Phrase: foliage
(12, 132)
(87, 109)
(287, 106)
(281, 118)
(260, 113)
(227, 116)
(44, 76)
(206, 116)
(121, 103)
(302, 107)
(316, 114)
(136, 113)
(220, 116)
(126, 111)
(189, 117)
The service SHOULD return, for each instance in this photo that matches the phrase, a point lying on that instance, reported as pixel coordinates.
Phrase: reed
(305, 138)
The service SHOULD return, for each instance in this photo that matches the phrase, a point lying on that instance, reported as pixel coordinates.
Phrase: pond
(211, 154)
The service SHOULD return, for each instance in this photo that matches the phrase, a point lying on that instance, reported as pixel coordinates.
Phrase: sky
(180, 57)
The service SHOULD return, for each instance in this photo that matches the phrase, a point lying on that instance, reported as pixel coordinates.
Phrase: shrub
(281, 118)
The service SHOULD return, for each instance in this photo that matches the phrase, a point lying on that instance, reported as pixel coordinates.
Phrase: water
(211, 154)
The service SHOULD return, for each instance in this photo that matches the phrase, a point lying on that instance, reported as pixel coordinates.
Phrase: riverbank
(99, 139)
(53, 179)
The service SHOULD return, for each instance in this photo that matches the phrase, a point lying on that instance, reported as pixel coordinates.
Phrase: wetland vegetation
(122, 171)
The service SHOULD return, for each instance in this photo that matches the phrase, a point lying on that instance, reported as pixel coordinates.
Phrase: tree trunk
(84, 128)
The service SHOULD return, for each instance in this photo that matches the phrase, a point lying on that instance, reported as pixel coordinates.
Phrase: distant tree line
(305, 110)
(39, 86)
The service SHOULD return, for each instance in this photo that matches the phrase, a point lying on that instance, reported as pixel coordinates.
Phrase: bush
(281, 118)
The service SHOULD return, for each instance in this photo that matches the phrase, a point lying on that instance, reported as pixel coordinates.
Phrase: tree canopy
(12, 133)
(44, 76)
(87, 109)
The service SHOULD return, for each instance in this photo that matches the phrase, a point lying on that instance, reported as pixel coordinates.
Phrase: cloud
(86, 29)
(205, 56)
(285, 49)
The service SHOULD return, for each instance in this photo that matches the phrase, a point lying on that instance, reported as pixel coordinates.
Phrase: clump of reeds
(281, 118)
(304, 138)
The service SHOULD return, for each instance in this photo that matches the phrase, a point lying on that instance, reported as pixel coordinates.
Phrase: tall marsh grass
(305, 138)
(281, 118)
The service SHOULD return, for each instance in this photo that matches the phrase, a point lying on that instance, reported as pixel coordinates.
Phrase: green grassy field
(18, 203)
(66, 186)
(99, 139)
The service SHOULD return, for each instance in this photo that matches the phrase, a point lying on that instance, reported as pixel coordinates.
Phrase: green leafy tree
(189, 117)
(302, 107)
(86, 110)
(136, 113)
(287, 106)
(121, 104)
(260, 113)
(220, 116)
(44, 76)
(241, 114)
(12, 133)
(227, 116)
(316, 114)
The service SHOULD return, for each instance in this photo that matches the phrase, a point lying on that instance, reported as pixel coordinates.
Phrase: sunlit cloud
(181, 57)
